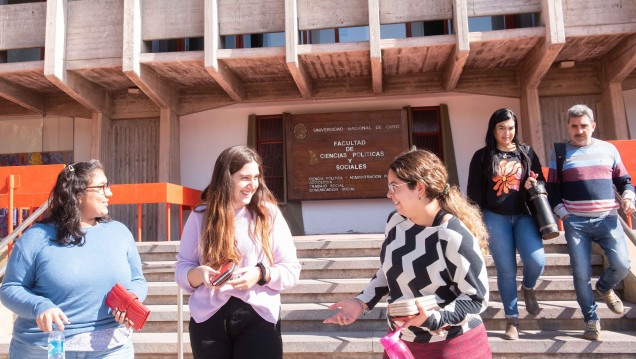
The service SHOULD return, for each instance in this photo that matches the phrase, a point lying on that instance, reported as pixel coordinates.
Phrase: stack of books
(407, 307)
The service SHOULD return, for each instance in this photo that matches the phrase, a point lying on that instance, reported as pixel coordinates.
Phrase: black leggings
(236, 331)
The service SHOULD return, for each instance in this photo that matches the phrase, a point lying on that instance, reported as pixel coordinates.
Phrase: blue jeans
(580, 232)
(507, 235)
(19, 350)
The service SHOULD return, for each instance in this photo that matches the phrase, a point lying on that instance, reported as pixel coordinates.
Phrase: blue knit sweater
(42, 274)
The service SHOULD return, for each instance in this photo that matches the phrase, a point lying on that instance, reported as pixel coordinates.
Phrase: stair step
(333, 290)
(365, 344)
(337, 245)
(563, 344)
(366, 267)
(554, 315)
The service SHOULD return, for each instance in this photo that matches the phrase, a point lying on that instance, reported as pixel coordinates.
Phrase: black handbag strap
(559, 151)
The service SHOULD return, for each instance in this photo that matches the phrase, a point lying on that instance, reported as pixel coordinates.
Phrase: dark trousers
(236, 331)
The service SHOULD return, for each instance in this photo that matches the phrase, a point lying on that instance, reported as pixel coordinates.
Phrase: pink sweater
(264, 299)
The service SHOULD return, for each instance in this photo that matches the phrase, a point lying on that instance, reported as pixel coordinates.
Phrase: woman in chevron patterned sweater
(432, 246)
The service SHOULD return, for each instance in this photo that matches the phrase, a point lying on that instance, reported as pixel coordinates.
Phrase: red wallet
(122, 299)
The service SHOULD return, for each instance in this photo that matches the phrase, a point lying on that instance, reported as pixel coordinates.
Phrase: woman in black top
(500, 175)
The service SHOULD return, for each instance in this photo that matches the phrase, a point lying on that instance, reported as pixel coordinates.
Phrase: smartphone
(224, 274)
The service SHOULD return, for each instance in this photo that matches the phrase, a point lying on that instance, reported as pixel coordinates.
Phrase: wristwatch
(261, 267)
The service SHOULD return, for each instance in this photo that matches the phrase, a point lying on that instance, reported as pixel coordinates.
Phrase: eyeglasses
(393, 185)
(105, 187)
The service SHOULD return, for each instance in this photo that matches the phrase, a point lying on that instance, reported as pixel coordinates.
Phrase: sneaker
(512, 329)
(531, 301)
(612, 300)
(592, 330)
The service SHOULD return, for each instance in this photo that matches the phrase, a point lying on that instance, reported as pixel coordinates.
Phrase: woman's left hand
(532, 179)
(121, 318)
(418, 320)
(250, 276)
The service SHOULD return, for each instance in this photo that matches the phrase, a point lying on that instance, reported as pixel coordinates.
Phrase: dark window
(426, 131)
(501, 22)
(414, 29)
(269, 142)
(272, 39)
(177, 45)
(12, 2)
(22, 55)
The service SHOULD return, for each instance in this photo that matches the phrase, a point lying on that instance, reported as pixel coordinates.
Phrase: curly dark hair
(64, 209)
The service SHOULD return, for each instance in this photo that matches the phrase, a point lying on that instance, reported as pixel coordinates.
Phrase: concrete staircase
(339, 266)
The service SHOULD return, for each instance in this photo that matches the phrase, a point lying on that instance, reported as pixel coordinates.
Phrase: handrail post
(138, 222)
(168, 220)
(12, 185)
(180, 323)
(20, 209)
(180, 220)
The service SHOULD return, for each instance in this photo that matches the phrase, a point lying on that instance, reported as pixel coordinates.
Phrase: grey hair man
(580, 191)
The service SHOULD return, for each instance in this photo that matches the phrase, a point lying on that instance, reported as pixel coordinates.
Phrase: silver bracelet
(365, 308)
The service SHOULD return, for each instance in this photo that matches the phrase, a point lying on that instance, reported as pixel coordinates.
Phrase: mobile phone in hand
(224, 274)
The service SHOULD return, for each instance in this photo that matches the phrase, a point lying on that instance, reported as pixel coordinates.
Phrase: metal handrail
(26, 223)
(628, 231)
(180, 323)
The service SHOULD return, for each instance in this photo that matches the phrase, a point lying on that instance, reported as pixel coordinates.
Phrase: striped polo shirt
(588, 174)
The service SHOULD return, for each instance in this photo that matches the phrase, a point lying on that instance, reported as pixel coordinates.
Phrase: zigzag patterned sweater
(445, 260)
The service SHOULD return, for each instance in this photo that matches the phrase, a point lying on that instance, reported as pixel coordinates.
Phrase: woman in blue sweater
(61, 270)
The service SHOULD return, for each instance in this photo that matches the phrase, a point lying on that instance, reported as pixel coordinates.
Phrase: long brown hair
(218, 245)
(423, 166)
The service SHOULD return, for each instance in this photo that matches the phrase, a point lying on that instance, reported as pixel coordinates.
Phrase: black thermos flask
(538, 198)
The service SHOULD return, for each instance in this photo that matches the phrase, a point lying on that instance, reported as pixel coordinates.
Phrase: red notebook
(122, 299)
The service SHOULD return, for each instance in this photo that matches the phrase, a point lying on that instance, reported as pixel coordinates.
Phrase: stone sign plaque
(342, 155)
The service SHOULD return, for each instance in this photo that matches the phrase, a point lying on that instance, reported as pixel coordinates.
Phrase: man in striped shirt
(583, 197)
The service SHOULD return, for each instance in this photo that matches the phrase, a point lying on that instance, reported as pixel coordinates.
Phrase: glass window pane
(498, 22)
(20, 55)
(270, 129)
(437, 27)
(524, 20)
(274, 39)
(427, 142)
(351, 34)
(194, 44)
(417, 28)
(393, 31)
(325, 36)
(425, 121)
(275, 185)
(229, 42)
(476, 24)
(272, 155)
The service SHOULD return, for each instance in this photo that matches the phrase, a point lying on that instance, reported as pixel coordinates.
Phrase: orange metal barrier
(28, 187)
(168, 193)
(627, 150)
(25, 187)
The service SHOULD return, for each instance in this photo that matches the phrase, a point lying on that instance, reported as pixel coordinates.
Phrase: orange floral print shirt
(508, 176)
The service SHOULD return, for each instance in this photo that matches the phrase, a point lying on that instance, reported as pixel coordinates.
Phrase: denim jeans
(507, 235)
(580, 232)
(19, 350)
